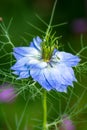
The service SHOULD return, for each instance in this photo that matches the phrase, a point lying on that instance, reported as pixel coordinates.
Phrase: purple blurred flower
(66, 124)
(7, 93)
(79, 26)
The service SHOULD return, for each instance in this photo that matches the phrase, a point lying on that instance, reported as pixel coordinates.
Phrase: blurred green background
(74, 12)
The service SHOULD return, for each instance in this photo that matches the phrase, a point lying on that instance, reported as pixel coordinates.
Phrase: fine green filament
(44, 111)
(48, 45)
(51, 19)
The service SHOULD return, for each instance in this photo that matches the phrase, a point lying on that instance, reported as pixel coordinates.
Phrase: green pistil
(48, 45)
(47, 52)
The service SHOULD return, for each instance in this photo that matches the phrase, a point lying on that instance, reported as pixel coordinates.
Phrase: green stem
(51, 19)
(44, 111)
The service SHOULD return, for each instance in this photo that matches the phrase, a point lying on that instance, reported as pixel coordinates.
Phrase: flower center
(47, 52)
(48, 45)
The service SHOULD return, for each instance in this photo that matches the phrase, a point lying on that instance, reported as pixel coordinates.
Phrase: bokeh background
(74, 12)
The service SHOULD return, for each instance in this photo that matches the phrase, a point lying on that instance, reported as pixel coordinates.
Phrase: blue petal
(66, 74)
(62, 88)
(24, 74)
(36, 43)
(38, 75)
(17, 56)
(36, 63)
(59, 76)
(21, 50)
(20, 68)
(20, 64)
(54, 78)
(16, 72)
(67, 58)
(26, 51)
(51, 77)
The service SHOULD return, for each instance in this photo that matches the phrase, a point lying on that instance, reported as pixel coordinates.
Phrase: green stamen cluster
(48, 45)
(47, 52)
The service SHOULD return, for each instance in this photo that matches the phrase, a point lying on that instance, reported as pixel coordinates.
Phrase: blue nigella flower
(51, 68)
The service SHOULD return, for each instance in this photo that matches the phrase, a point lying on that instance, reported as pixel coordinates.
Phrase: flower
(66, 124)
(7, 93)
(79, 26)
(48, 66)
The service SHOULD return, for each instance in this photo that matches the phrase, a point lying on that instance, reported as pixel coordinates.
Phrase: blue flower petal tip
(53, 74)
